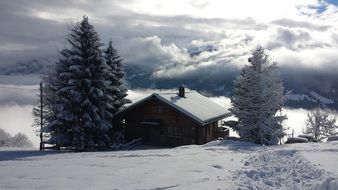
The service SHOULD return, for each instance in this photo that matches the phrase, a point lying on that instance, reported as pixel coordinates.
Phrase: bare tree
(4, 138)
(18, 140)
(321, 123)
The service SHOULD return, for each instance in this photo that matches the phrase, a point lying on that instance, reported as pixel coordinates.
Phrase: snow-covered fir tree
(258, 96)
(321, 123)
(58, 127)
(116, 88)
(81, 104)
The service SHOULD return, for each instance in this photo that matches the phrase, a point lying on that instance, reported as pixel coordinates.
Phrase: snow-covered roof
(194, 105)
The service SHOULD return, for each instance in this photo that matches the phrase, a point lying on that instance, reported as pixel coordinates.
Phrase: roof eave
(217, 118)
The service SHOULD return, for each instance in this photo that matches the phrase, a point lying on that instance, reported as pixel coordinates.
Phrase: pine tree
(57, 125)
(258, 96)
(116, 88)
(321, 123)
(81, 104)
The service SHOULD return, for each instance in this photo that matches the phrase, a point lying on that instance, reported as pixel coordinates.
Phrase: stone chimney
(181, 91)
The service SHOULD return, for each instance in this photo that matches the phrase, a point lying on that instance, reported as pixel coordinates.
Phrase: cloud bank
(162, 35)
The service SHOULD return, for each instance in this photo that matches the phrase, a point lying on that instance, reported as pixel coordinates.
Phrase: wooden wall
(174, 128)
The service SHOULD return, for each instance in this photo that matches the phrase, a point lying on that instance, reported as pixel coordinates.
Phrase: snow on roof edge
(189, 114)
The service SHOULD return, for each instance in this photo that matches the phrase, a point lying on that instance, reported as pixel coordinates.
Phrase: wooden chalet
(174, 119)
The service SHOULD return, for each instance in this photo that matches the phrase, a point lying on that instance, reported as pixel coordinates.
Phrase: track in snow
(282, 169)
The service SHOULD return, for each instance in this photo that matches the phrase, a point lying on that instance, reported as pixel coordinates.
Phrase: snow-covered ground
(217, 165)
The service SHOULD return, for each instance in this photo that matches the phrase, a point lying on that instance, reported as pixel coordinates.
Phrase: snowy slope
(217, 165)
(321, 99)
(313, 97)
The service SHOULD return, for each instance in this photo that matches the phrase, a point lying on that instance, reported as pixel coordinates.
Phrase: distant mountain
(196, 50)
(310, 100)
(26, 68)
(308, 89)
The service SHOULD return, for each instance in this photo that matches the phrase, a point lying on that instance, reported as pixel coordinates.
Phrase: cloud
(320, 59)
(154, 53)
(150, 33)
(296, 121)
(222, 9)
(286, 22)
(288, 38)
(18, 95)
(165, 43)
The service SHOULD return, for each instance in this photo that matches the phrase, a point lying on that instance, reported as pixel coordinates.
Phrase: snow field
(190, 167)
(216, 165)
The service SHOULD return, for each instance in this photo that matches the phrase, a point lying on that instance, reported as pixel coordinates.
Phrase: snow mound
(232, 144)
(282, 169)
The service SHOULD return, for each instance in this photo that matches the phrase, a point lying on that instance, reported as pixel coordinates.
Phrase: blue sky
(323, 7)
(335, 2)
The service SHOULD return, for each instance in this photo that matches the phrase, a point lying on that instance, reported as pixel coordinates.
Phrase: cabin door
(152, 132)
